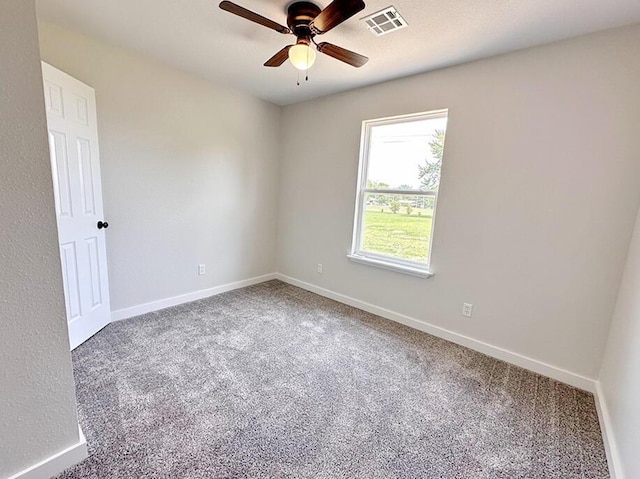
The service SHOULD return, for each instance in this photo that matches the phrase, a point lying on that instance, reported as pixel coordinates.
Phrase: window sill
(420, 273)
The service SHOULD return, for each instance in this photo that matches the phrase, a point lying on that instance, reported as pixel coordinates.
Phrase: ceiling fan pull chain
(298, 83)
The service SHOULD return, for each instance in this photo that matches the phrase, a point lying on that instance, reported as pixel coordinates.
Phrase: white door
(75, 163)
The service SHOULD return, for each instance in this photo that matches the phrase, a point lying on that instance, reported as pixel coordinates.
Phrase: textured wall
(620, 374)
(37, 402)
(189, 172)
(540, 187)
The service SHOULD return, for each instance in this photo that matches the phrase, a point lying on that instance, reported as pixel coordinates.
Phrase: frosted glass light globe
(302, 56)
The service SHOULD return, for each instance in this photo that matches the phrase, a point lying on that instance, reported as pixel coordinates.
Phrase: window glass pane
(406, 155)
(398, 225)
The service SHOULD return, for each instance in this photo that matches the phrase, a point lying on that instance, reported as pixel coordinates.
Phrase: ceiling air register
(385, 21)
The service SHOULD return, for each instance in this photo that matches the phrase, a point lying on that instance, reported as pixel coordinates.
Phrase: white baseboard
(613, 456)
(57, 463)
(534, 365)
(77, 453)
(186, 298)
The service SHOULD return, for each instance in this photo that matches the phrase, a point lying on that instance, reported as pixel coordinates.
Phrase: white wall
(620, 374)
(189, 172)
(541, 182)
(37, 402)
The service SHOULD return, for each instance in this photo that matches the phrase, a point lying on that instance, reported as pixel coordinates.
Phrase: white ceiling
(197, 36)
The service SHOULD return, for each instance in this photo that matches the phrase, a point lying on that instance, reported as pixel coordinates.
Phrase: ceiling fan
(305, 20)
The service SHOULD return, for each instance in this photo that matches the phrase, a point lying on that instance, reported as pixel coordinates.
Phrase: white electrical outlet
(202, 269)
(319, 268)
(467, 309)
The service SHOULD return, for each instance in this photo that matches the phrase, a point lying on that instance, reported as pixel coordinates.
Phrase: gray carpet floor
(272, 381)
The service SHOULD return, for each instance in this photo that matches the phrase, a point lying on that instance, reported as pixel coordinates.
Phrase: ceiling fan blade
(334, 14)
(279, 58)
(342, 54)
(254, 17)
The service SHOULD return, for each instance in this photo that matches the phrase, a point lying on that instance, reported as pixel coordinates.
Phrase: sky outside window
(397, 150)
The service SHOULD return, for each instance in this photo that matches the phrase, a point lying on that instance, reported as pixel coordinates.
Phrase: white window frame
(392, 263)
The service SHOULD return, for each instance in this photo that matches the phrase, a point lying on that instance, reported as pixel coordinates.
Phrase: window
(400, 164)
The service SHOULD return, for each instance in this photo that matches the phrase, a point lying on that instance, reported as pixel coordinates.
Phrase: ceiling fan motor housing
(299, 16)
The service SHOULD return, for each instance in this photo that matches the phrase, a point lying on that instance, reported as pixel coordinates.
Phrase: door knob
(102, 224)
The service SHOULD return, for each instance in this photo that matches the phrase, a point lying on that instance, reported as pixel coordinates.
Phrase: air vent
(385, 21)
